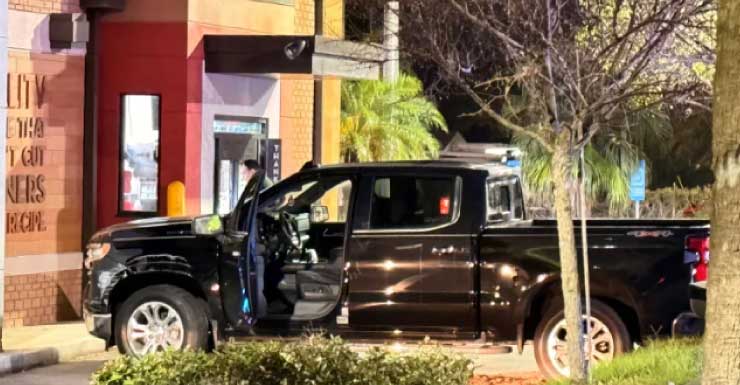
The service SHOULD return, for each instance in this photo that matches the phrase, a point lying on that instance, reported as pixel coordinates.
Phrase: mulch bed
(515, 379)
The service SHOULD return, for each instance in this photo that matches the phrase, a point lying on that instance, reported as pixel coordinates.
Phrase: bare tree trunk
(561, 172)
(722, 338)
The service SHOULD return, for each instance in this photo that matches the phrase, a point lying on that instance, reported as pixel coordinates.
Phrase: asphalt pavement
(68, 373)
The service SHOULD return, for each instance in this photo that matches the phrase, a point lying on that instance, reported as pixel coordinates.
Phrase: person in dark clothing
(251, 167)
(270, 268)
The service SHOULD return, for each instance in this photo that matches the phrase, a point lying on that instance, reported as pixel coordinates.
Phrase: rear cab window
(504, 200)
(403, 202)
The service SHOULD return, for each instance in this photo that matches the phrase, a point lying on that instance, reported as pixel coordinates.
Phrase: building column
(327, 92)
(3, 129)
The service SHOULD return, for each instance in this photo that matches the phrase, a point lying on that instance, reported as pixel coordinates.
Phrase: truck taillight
(697, 253)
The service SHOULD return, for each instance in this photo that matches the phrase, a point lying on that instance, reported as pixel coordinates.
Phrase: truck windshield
(504, 198)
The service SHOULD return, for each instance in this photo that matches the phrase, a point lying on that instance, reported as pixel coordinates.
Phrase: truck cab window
(294, 220)
(288, 199)
(403, 202)
(300, 245)
(499, 201)
(504, 198)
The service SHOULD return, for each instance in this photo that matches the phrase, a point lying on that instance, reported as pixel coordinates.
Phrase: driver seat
(322, 281)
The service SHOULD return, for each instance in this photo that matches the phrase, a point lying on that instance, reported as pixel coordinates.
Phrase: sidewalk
(32, 346)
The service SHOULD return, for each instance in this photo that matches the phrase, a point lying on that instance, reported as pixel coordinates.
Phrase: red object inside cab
(444, 206)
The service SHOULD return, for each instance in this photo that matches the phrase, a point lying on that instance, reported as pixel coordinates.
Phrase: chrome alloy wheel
(601, 349)
(154, 326)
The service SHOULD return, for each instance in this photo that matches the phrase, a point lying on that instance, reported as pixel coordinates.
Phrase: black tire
(190, 309)
(600, 311)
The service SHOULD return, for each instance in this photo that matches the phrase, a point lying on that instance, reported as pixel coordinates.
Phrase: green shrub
(312, 361)
(167, 368)
(658, 363)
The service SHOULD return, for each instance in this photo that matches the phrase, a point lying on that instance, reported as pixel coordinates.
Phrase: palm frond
(388, 121)
(607, 170)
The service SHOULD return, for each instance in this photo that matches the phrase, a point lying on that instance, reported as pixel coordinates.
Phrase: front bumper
(99, 325)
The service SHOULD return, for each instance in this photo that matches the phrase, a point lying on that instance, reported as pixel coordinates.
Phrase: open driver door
(240, 278)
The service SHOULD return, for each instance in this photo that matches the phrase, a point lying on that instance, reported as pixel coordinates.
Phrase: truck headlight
(96, 252)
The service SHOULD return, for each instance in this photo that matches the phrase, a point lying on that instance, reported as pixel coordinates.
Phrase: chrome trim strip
(136, 226)
(364, 235)
(131, 239)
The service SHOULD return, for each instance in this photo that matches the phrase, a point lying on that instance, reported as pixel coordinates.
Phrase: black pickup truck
(380, 251)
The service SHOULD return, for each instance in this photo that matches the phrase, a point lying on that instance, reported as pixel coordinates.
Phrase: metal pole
(391, 29)
(637, 209)
(318, 86)
(586, 265)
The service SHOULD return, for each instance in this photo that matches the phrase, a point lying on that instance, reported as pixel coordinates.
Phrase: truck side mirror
(319, 214)
(208, 225)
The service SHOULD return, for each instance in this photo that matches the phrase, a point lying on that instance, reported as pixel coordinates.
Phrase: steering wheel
(289, 228)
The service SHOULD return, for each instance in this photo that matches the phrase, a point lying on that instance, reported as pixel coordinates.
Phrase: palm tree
(388, 121)
(609, 159)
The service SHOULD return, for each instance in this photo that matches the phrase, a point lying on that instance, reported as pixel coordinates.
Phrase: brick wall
(45, 6)
(296, 103)
(296, 122)
(304, 17)
(43, 280)
(42, 298)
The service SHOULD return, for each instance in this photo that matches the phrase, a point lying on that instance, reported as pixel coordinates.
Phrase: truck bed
(636, 264)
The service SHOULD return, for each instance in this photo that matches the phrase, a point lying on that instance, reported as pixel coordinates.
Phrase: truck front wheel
(158, 318)
(609, 338)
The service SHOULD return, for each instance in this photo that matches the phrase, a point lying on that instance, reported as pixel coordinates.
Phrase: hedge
(311, 361)
(670, 202)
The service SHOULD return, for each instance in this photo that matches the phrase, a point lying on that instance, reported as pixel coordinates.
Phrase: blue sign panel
(238, 125)
(514, 163)
(637, 183)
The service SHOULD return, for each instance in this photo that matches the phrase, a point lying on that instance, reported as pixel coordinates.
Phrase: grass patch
(659, 363)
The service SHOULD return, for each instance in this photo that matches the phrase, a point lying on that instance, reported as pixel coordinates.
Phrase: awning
(308, 55)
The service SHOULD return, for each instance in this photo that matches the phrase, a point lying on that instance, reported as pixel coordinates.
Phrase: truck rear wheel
(609, 338)
(158, 318)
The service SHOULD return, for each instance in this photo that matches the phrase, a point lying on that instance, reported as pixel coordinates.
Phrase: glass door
(225, 188)
(237, 139)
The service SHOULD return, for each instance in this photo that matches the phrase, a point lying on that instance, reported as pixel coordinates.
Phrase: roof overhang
(308, 55)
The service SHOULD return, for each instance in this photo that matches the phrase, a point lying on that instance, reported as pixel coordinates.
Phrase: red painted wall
(149, 58)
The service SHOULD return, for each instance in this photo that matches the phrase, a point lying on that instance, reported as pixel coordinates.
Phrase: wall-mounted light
(68, 30)
(294, 49)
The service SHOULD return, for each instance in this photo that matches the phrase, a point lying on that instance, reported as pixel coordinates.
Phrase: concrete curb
(18, 361)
